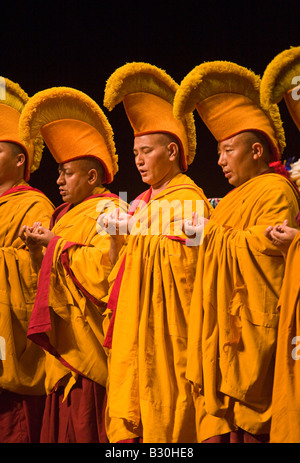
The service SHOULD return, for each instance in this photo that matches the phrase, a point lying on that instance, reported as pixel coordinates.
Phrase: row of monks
(113, 333)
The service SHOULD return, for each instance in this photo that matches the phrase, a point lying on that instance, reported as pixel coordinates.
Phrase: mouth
(227, 173)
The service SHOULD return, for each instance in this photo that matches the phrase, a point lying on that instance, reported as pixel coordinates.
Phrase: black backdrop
(79, 44)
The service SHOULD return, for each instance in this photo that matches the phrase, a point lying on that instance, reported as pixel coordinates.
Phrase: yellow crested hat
(147, 93)
(227, 98)
(12, 103)
(281, 79)
(72, 125)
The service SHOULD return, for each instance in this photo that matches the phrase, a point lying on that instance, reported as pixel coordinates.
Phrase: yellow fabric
(22, 370)
(234, 316)
(11, 106)
(285, 426)
(148, 93)
(69, 139)
(227, 114)
(157, 118)
(71, 119)
(227, 97)
(9, 132)
(148, 394)
(281, 80)
(9, 127)
(77, 332)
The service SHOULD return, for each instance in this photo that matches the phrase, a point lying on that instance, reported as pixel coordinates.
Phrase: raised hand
(281, 236)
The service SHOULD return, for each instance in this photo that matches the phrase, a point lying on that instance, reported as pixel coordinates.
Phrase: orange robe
(21, 361)
(234, 315)
(148, 309)
(68, 313)
(285, 426)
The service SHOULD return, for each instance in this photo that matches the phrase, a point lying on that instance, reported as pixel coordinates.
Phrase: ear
(21, 159)
(93, 176)
(173, 151)
(257, 150)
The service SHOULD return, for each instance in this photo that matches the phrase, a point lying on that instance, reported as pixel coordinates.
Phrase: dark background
(80, 44)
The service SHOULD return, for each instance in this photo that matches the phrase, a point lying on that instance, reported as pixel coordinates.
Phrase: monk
(149, 398)
(279, 84)
(234, 316)
(22, 391)
(68, 313)
(285, 423)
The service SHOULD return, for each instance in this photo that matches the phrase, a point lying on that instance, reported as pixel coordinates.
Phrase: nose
(139, 160)
(222, 160)
(60, 179)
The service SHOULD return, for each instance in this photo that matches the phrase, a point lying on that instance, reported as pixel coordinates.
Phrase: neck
(7, 185)
(263, 168)
(156, 189)
(260, 170)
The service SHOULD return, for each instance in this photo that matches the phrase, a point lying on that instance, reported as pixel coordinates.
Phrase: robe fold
(146, 324)
(68, 312)
(21, 361)
(234, 314)
(285, 425)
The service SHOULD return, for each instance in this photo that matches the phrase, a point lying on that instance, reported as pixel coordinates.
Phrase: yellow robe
(21, 361)
(148, 394)
(234, 315)
(68, 312)
(285, 425)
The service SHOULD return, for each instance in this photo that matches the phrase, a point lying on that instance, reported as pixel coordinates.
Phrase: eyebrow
(63, 169)
(142, 148)
(227, 145)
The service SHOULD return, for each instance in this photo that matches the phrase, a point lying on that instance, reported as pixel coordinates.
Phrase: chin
(144, 180)
(233, 182)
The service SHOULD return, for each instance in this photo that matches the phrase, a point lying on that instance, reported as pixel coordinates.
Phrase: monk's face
(152, 158)
(74, 182)
(236, 159)
(8, 162)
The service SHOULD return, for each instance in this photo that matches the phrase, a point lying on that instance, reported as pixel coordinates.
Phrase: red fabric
(112, 304)
(134, 440)
(40, 321)
(138, 199)
(59, 212)
(80, 418)
(238, 437)
(177, 238)
(20, 417)
(113, 298)
(65, 207)
(65, 261)
(16, 189)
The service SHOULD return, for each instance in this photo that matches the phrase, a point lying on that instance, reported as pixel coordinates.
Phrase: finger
(196, 219)
(268, 230)
(276, 235)
(22, 230)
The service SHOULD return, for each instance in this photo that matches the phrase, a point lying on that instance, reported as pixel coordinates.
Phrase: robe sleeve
(237, 286)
